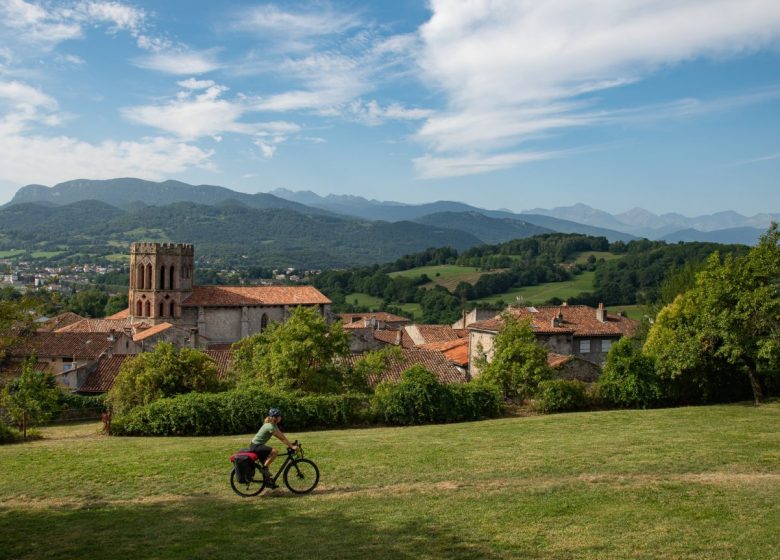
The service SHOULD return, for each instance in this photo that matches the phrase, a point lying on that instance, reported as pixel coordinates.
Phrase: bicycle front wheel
(301, 476)
(252, 487)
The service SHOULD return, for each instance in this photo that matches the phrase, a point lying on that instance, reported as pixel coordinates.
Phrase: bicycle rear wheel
(301, 476)
(252, 487)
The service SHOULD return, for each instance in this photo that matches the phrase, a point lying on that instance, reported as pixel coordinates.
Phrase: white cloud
(511, 71)
(315, 20)
(25, 105)
(438, 167)
(207, 114)
(180, 61)
(192, 83)
(49, 160)
(372, 113)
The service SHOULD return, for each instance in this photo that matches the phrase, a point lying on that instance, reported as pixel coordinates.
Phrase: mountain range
(302, 228)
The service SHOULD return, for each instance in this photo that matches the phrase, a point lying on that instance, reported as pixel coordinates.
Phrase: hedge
(239, 411)
(419, 398)
(80, 407)
(242, 410)
(559, 395)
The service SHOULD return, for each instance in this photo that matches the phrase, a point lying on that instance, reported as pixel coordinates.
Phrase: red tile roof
(102, 378)
(435, 362)
(224, 360)
(119, 314)
(151, 331)
(579, 320)
(104, 325)
(61, 345)
(360, 324)
(456, 351)
(228, 296)
(378, 315)
(60, 321)
(436, 333)
(558, 360)
(390, 336)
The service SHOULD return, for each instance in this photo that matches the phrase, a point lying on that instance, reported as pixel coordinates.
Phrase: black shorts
(262, 450)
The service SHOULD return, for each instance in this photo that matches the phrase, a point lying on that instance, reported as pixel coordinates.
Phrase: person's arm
(278, 433)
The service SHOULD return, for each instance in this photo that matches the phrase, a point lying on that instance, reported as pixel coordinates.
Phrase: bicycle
(300, 476)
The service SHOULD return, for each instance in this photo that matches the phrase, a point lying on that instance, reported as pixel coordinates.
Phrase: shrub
(629, 378)
(73, 406)
(238, 411)
(164, 372)
(419, 398)
(560, 395)
(12, 435)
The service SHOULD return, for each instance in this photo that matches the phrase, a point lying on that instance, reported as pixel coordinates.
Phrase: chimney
(601, 313)
(398, 337)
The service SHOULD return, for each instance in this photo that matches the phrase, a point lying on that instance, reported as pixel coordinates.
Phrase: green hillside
(445, 275)
(693, 483)
(542, 292)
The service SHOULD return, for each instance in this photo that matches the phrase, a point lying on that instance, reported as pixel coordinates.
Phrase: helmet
(274, 412)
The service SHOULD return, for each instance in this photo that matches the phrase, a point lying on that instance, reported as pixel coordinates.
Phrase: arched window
(161, 310)
(139, 308)
(171, 277)
(148, 306)
(263, 322)
(162, 278)
(172, 309)
(148, 281)
(139, 277)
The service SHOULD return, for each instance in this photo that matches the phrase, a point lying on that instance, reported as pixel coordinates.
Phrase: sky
(669, 105)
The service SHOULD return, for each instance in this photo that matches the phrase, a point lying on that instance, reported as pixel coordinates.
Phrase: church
(162, 294)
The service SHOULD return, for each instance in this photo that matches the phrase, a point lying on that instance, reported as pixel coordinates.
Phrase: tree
(300, 353)
(88, 303)
(115, 304)
(372, 363)
(164, 372)
(629, 378)
(519, 364)
(731, 316)
(32, 398)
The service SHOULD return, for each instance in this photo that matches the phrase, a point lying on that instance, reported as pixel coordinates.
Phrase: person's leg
(271, 456)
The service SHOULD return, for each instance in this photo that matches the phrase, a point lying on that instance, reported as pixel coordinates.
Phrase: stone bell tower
(160, 280)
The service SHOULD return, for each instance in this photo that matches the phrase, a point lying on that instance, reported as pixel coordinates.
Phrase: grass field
(542, 292)
(582, 257)
(680, 483)
(449, 275)
(11, 253)
(411, 310)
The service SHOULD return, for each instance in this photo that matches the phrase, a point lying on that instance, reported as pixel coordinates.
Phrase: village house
(579, 335)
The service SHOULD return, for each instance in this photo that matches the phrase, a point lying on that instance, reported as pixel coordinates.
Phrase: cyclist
(266, 453)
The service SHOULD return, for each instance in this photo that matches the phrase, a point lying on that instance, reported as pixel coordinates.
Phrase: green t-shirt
(264, 434)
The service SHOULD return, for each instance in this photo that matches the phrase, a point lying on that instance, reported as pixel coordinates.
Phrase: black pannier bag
(244, 468)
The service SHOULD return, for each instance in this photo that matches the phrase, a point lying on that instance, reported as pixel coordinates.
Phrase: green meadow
(540, 293)
(688, 483)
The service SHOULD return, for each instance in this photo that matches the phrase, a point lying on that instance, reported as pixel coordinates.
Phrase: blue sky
(673, 106)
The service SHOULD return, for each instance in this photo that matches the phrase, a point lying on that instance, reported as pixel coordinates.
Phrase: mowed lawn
(449, 275)
(540, 293)
(680, 483)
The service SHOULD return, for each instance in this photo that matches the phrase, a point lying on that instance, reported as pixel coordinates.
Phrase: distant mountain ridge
(127, 191)
(643, 223)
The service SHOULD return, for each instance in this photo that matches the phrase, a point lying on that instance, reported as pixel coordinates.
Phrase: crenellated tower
(160, 280)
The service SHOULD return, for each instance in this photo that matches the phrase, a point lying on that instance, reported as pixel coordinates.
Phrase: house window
(162, 278)
(139, 308)
(584, 346)
(606, 344)
(172, 309)
(148, 309)
(264, 322)
(162, 310)
(170, 277)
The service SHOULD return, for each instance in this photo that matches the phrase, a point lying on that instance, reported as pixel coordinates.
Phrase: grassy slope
(411, 310)
(449, 275)
(684, 483)
(542, 292)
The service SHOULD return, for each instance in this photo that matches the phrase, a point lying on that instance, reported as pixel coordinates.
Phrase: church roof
(230, 296)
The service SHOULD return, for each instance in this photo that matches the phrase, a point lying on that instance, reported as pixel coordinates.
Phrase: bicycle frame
(289, 458)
